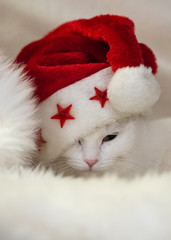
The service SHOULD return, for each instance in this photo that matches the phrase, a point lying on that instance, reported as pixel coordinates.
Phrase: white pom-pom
(133, 89)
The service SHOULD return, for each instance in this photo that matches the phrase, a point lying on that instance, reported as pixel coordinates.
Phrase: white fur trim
(133, 89)
(17, 116)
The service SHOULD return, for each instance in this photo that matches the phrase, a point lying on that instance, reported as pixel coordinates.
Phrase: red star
(100, 96)
(63, 114)
(40, 140)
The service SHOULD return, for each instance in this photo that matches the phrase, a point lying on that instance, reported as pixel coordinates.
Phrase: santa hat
(86, 71)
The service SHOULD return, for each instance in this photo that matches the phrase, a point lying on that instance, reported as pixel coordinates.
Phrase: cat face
(109, 148)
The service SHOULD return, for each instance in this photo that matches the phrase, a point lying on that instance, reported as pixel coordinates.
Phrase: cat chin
(97, 171)
(86, 174)
(84, 169)
(79, 172)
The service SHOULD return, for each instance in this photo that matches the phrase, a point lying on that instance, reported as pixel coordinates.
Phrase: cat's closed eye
(109, 137)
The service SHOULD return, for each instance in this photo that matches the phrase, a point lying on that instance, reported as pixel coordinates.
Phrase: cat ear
(133, 89)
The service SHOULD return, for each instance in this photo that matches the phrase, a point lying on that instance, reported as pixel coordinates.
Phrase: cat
(129, 147)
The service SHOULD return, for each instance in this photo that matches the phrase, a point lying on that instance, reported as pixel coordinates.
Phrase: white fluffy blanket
(36, 205)
(39, 206)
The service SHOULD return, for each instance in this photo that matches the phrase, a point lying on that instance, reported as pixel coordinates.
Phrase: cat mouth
(79, 172)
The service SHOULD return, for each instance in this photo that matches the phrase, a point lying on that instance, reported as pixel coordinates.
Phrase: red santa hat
(87, 70)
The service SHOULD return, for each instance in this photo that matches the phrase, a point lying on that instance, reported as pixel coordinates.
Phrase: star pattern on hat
(40, 140)
(100, 96)
(63, 114)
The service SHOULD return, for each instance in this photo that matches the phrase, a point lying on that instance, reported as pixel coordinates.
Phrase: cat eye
(109, 138)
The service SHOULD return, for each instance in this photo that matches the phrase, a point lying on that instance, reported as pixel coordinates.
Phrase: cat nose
(90, 162)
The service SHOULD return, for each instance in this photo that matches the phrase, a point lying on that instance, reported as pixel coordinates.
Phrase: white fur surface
(133, 89)
(39, 206)
(18, 121)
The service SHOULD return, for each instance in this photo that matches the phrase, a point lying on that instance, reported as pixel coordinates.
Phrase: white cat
(128, 147)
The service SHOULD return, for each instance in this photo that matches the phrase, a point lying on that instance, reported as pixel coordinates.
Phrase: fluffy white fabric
(133, 89)
(38, 206)
(18, 121)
